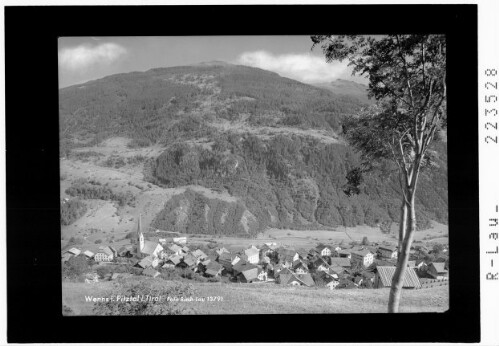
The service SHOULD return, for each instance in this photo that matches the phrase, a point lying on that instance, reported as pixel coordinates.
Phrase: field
(269, 298)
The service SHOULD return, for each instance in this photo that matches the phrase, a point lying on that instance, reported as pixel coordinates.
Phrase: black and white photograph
(253, 174)
(186, 173)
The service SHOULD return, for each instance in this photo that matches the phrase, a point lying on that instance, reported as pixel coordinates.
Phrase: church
(146, 248)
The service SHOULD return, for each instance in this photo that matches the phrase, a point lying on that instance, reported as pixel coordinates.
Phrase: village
(330, 266)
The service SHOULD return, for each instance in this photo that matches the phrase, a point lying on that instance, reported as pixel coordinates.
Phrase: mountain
(225, 149)
(347, 88)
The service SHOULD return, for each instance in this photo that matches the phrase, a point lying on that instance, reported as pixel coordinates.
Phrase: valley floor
(268, 298)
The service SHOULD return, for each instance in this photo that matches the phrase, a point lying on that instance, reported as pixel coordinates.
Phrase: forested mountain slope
(271, 142)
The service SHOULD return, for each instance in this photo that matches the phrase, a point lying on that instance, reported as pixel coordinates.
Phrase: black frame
(33, 273)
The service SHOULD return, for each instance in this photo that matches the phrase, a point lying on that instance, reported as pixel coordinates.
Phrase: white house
(253, 255)
(323, 250)
(332, 284)
(363, 256)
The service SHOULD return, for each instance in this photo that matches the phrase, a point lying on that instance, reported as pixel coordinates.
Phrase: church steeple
(140, 237)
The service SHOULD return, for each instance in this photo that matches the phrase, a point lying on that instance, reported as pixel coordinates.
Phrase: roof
(150, 272)
(145, 262)
(189, 260)
(250, 274)
(149, 247)
(88, 253)
(439, 267)
(175, 248)
(213, 266)
(340, 261)
(251, 252)
(74, 251)
(388, 247)
(361, 253)
(185, 248)
(107, 250)
(344, 252)
(198, 253)
(337, 269)
(321, 247)
(284, 279)
(175, 259)
(411, 280)
(306, 279)
(241, 267)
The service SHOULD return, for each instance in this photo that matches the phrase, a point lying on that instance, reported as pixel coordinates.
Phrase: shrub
(75, 267)
(152, 288)
(98, 241)
(72, 211)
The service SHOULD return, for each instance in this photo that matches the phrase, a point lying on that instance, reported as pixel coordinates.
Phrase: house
(332, 284)
(363, 256)
(190, 261)
(253, 255)
(172, 261)
(248, 274)
(241, 266)
(213, 269)
(323, 250)
(150, 272)
(221, 251)
(176, 249)
(384, 276)
(278, 270)
(262, 275)
(150, 248)
(387, 251)
(357, 281)
(125, 251)
(185, 249)
(200, 255)
(336, 269)
(89, 254)
(344, 253)
(345, 284)
(105, 254)
(225, 259)
(319, 264)
(300, 267)
(74, 251)
(296, 280)
(65, 257)
(340, 261)
(180, 240)
(437, 271)
(148, 261)
(91, 278)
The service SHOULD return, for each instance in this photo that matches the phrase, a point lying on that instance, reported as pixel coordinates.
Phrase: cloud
(304, 67)
(84, 56)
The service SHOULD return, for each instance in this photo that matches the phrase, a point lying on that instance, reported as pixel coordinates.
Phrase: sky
(87, 58)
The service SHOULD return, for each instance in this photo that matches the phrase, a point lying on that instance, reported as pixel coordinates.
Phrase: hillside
(216, 148)
(347, 88)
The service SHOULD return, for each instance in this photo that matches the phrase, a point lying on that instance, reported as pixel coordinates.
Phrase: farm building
(344, 253)
(437, 271)
(89, 254)
(384, 278)
(387, 251)
(74, 251)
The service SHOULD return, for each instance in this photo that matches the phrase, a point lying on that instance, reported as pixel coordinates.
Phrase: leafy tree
(365, 241)
(75, 267)
(407, 77)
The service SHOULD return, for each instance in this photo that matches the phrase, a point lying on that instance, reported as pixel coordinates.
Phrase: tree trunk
(403, 258)
(402, 225)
